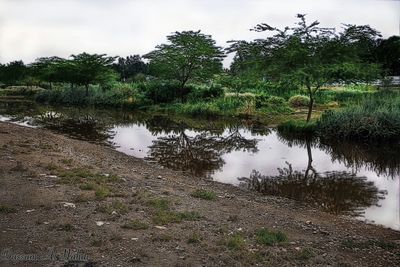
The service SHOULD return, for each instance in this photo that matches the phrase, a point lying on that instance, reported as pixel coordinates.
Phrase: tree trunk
(310, 108)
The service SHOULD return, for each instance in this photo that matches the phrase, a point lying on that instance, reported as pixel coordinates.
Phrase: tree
(130, 66)
(13, 73)
(90, 68)
(311, 56)
(48, 69)
(189, 55)
(388, 54)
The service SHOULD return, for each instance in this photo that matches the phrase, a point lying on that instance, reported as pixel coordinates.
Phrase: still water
(340, 178)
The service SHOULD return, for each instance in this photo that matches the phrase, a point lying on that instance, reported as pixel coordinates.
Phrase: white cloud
(33, 28)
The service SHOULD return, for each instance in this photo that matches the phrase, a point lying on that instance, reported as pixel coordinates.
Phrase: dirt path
(110, 209)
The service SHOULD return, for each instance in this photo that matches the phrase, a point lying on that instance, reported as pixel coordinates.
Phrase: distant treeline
(304, 56)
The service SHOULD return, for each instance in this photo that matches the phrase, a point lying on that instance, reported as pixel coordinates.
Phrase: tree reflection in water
(200, 154)
(337, 192)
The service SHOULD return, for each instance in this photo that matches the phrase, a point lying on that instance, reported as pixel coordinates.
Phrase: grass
(374, 119)
(194, 238)
(116, 206)
(270, 238)
(235, 242)
(135, 225)
(165, 217)
(298, 128)
(162, 213)
(204, 194)
(102, 192)
(305, 254)
(7, 209)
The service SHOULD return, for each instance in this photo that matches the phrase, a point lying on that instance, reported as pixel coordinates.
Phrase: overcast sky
(35, 28)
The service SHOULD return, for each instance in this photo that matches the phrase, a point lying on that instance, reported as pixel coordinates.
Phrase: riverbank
(118, 210)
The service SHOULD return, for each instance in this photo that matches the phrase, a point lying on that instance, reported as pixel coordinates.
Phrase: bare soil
(72, 203)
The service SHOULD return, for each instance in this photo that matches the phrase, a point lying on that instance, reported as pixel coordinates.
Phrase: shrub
(297, 101)
(270, 238)
(164, 91)
(205, 92)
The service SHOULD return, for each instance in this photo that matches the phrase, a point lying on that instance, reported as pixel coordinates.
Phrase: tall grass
(375, 119)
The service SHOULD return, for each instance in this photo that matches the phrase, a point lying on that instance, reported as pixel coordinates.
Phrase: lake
(340, 178)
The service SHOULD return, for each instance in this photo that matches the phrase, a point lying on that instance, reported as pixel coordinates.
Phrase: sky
(34, 28)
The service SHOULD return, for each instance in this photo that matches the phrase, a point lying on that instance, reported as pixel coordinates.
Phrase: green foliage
(235, 242)
(204, 194)
(7, 209)
(167, 91)
(270, 238)
(189, 55)
(297, 101)
(297, 128)
(135, 225)
(375, 119)
(204, 92)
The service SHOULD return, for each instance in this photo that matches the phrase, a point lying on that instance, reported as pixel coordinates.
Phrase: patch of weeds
(51, 167)
(204, 194)
(84, 197)
(88, 186)
(189, 215)
(7, 209)
(305, 254)
(235, 242)
(159, 203)
(194, 238)
(270, 238)
(97, 243)
(102, 192)
(116, 206)
(135, 225)
(163, 217)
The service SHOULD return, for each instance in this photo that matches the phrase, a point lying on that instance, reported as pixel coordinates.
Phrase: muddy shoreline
(61, 194)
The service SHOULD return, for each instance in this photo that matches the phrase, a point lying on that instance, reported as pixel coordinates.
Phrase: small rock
(69, 205)
(99, 223)
(134, 239)
(297, 248)
(29, 211)
(160, 227)
(308, 222)
(159, 177)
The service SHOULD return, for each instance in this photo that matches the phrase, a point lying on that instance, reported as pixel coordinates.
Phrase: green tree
(130, 66)
(388, 54)
(13, 73)
(90, 69)
(188, 55)
(48, 69)
(312, 57)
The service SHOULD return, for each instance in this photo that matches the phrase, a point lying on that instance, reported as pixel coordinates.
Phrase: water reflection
(335, 192)
(338, 177)
(200, 154)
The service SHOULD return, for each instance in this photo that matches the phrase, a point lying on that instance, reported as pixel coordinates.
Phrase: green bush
(205, 92)
(164, 91)
(270, 238)
(297, 101)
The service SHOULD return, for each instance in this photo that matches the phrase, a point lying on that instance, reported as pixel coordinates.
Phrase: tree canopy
(188, 55)
(310, 56)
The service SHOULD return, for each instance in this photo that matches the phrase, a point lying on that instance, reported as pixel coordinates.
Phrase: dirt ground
(65, 202)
